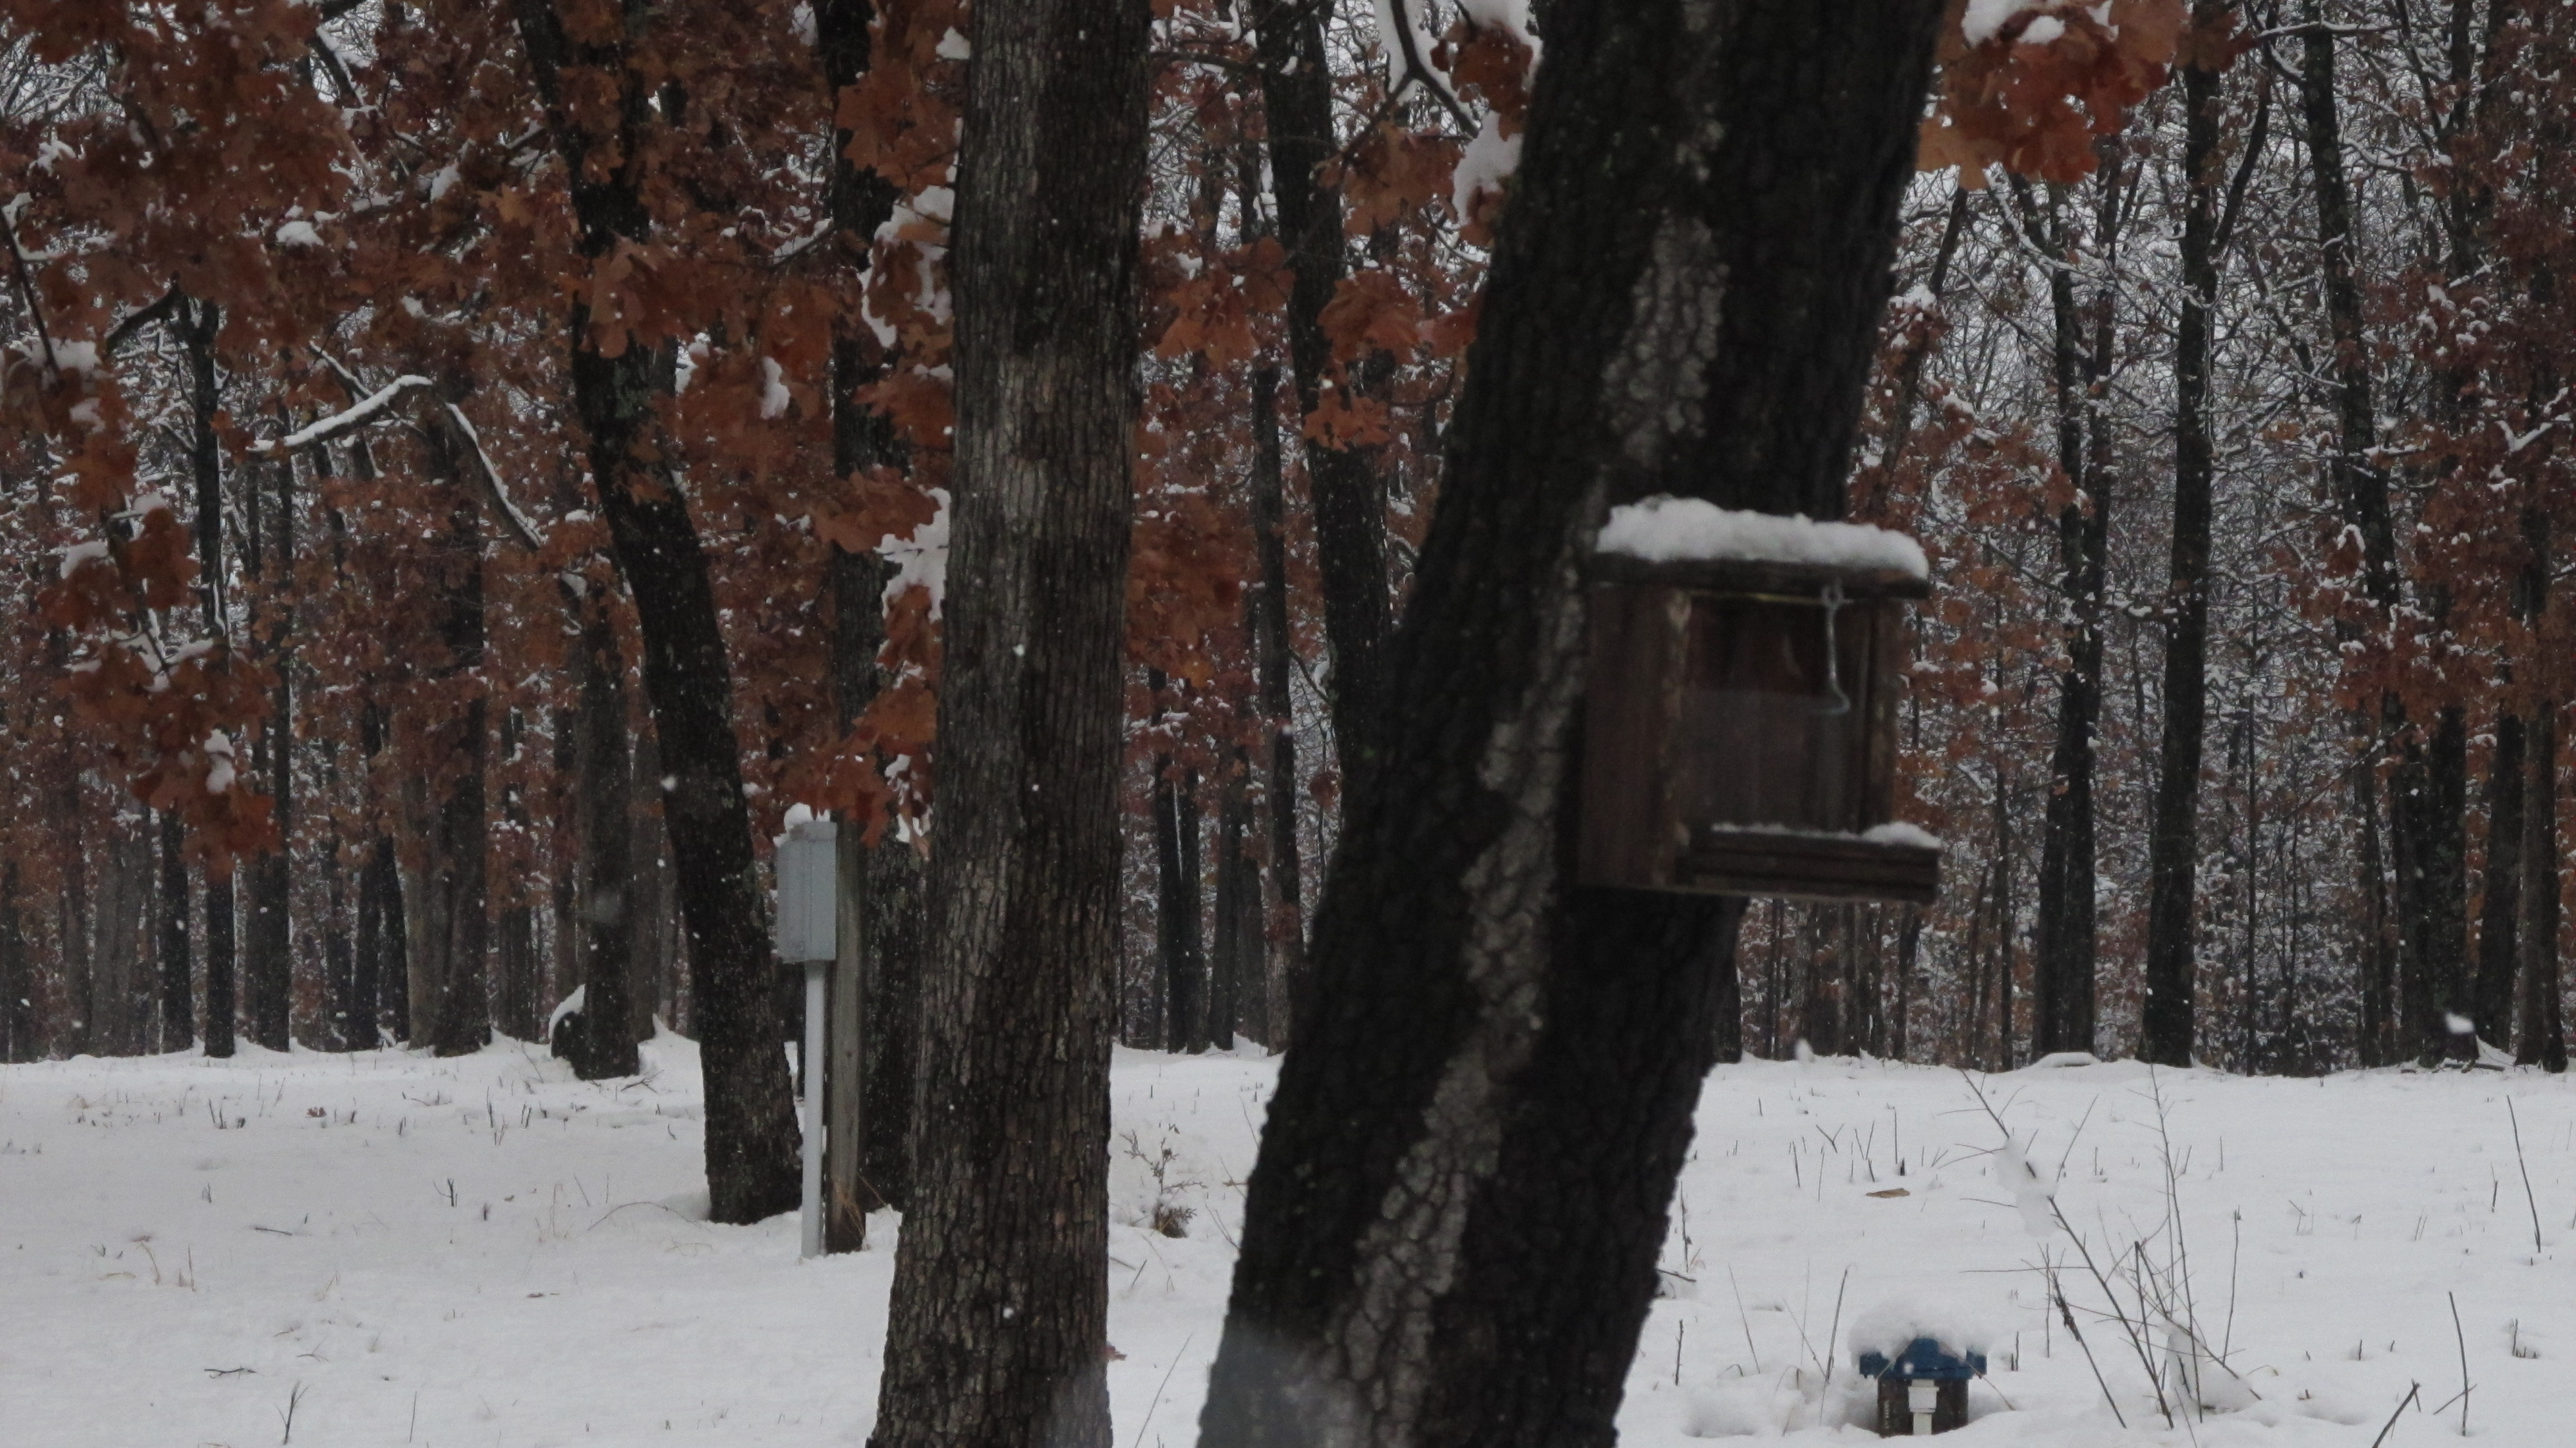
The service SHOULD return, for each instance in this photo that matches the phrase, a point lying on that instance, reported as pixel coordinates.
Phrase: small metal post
(807, 933)
(811, 1068)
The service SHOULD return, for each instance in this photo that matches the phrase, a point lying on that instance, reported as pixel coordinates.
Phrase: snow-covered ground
(483, 1251)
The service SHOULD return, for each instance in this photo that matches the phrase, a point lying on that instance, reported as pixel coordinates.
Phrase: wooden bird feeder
(1740, 723)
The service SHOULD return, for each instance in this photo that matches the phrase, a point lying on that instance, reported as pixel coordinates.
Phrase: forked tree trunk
(751, 1121)
(998, 1330)
(1452, 1228)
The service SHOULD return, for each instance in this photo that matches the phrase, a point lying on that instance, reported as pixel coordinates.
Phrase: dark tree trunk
(380, 979)
(178, 984)
(751, 1118)
(197, 324)
(2500, 913)
(2063, 932)
(514, 952)
(268, 960)
(2432, 785)
(1272, 661)
(601, 1039)
(1348, 484)
(450, 991)
(873, 996)
(998, 1329)
(1452, 1227)
(1180, 959)
(2361, 494)
(2542, 1040)
(17, 975)
(2173, 840)
(1235, 961)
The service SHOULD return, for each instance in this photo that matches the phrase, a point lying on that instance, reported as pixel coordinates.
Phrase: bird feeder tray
(1740, 728)
(1924, 1389)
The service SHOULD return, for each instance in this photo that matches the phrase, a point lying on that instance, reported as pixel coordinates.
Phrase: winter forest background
(283, 299)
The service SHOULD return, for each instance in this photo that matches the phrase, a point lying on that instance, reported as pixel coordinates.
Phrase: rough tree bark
(997, 1334)
(1451, 1230)
(600, 1039)
(604, 137)
(2173, 838)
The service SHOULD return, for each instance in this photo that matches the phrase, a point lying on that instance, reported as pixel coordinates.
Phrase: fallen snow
(1667, 529)
(482, 1250)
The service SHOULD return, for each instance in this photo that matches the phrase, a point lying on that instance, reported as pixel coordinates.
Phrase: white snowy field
(483, 1251)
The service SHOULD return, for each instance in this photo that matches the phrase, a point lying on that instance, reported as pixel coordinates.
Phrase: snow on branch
(357, 415)
(490, 476)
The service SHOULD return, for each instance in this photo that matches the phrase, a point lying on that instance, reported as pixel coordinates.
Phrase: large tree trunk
(751, 1118)
(997, 1336)
(2173, 839)
(1451, 1231)
(1348, 485)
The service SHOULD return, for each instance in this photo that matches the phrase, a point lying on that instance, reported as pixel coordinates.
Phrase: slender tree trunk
(2063, 934)
(603, 1038)
(2361, 494)
(1236, 960)
(751, 1121)
(2173, 841)
(1451, 1231)
(178, 983)
(998, 1329)
(2500, 915)
(17, 975)
(1272, 662)
(268, 961)
(451, 997)
(873, 998)
(2543, 1038)
(1348, 484)
(197, 324)
(1180, 961)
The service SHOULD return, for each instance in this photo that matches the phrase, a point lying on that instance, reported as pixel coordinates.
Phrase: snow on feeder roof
(1694, 530)
(1740, 729)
